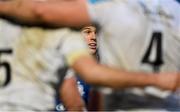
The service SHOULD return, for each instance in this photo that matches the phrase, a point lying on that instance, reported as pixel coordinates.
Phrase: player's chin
(92, 51)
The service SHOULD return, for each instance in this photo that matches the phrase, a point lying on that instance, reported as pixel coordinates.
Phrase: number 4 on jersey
(158, 61)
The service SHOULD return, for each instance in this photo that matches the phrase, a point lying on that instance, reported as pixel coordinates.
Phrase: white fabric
(37, 54)
(127, 28)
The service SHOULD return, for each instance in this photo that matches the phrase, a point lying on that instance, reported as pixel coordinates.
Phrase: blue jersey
(83, 89)
(95, 1)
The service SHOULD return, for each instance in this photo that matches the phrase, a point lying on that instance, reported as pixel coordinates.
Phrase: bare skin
(89, 34)
(119, 79)
(70, 95)
(38, 13)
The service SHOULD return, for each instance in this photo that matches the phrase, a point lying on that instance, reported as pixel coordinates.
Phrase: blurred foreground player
(29, 61)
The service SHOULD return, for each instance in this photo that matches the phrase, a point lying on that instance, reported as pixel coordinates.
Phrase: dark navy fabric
(85, 89)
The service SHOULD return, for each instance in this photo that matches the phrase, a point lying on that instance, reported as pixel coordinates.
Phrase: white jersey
(35, 56)
(138, 35)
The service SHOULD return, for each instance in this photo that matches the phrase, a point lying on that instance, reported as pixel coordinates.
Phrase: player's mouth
(92, 45)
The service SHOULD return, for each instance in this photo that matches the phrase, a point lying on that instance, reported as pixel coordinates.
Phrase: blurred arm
(94, 73)
(70, 95)
(71, 13)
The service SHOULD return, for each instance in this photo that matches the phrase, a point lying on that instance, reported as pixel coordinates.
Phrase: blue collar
(178, 1)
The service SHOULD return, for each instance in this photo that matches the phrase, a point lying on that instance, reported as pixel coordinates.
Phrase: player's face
(90, 36)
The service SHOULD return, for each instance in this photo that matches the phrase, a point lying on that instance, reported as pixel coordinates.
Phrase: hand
(168, 81)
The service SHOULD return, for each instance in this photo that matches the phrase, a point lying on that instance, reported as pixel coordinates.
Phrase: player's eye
(88, 31)
(95, 32)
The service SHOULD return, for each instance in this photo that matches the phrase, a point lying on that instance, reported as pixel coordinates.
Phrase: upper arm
(87, 68)
(71, 13)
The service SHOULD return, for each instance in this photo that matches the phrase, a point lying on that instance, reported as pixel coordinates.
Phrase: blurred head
(89, 33)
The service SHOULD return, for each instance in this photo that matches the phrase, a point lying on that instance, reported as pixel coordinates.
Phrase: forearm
(51, 13)
(70, 95)
(119, 79)
(96, 74)
(125, 79)
(20, 11)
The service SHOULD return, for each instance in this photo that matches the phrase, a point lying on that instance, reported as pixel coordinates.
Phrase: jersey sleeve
(73, 47)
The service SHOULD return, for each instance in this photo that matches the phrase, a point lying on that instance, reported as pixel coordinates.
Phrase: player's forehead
(88, 28)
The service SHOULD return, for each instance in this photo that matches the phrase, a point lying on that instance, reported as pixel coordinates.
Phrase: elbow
(90, 77)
